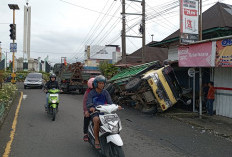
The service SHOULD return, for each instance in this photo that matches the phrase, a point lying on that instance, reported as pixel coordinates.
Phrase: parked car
(34, 80)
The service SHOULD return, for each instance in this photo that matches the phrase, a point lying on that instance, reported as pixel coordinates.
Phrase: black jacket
(52, 84)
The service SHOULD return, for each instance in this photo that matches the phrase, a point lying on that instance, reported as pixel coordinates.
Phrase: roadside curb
(7, 109)
(182, 118)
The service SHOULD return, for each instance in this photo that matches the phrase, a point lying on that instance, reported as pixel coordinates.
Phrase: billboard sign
(189, 21)
(197, 55)
(101, 52)
(224, 53)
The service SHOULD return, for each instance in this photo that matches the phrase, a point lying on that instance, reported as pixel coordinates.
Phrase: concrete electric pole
(200, 69)
(123, 32)
(142, 30)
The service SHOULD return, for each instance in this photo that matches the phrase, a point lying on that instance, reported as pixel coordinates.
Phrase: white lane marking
(24, 97)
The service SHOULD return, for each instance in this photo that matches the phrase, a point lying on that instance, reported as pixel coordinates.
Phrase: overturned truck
(149, 87)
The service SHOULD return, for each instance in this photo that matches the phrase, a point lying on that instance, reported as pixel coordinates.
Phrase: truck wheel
(133, 84)
(65, 90)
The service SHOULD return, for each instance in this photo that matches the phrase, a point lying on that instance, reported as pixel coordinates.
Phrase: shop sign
(224, 53)
(197, 55)
(189, 21)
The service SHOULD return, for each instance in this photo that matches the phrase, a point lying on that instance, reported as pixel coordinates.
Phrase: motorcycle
(110, 127)
(53, 102)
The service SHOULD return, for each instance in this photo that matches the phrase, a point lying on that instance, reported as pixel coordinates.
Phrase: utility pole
(200, 70)
(13, 7)
(144, 31)
(123, 32)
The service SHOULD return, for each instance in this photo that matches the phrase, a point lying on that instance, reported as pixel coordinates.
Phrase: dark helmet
(52, 76)
(97, 79)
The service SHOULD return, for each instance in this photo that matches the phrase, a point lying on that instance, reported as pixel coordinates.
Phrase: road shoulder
(6, 127)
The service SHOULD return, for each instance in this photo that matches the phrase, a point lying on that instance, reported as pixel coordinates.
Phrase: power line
(107, 23)
(87, 36)
(96, 26)
(86, 8)
(108, 31)
(166, 10)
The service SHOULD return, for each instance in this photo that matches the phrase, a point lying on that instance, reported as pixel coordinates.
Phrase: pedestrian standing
(210, 98)
(205, 94)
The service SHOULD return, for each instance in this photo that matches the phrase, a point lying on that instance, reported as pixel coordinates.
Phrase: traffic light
(13, 31)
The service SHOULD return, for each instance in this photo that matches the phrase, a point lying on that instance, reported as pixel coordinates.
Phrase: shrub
(7, 92)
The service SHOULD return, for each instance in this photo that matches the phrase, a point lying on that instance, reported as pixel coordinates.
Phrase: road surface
(143, 135)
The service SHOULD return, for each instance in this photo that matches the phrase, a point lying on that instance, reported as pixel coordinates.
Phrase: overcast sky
(63, 27)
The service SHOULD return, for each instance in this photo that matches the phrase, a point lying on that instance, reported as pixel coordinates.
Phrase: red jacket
(211, 93)
(85, 99)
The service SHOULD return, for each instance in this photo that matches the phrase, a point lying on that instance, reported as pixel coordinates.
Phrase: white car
(34, 80)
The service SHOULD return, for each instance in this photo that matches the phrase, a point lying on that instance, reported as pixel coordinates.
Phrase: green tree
(107, 69)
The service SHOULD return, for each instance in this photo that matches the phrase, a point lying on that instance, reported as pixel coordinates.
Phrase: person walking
(210, 98)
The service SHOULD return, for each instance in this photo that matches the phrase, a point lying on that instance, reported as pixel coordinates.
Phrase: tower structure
(27, 33)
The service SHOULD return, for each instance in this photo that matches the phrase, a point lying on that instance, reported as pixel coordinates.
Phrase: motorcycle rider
(52, 83)
(98, 96)
(86, 112)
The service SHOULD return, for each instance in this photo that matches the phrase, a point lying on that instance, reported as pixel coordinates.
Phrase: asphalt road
(143, 135)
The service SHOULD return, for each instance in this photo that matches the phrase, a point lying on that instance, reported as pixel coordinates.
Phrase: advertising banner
(189, 21)
(101, 52)
(224, 53)
(197, 55)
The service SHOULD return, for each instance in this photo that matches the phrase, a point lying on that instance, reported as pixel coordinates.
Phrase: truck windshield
(172, 81)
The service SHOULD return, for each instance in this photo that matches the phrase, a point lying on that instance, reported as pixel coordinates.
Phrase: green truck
(74, 77)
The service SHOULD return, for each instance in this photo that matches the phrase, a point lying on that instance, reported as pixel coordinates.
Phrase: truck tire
(133, 84)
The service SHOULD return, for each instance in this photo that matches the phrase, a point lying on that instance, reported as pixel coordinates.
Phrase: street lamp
(13, 7)
(152, 37)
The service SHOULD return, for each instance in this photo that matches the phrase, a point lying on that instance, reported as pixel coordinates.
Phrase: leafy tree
(107, 69)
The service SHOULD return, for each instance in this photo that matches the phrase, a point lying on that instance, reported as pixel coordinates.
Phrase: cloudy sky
(62, 28)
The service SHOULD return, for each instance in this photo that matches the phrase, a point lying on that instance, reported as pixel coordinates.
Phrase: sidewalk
(219, 125)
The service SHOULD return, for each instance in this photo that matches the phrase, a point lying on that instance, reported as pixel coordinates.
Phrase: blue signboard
(13, 47)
